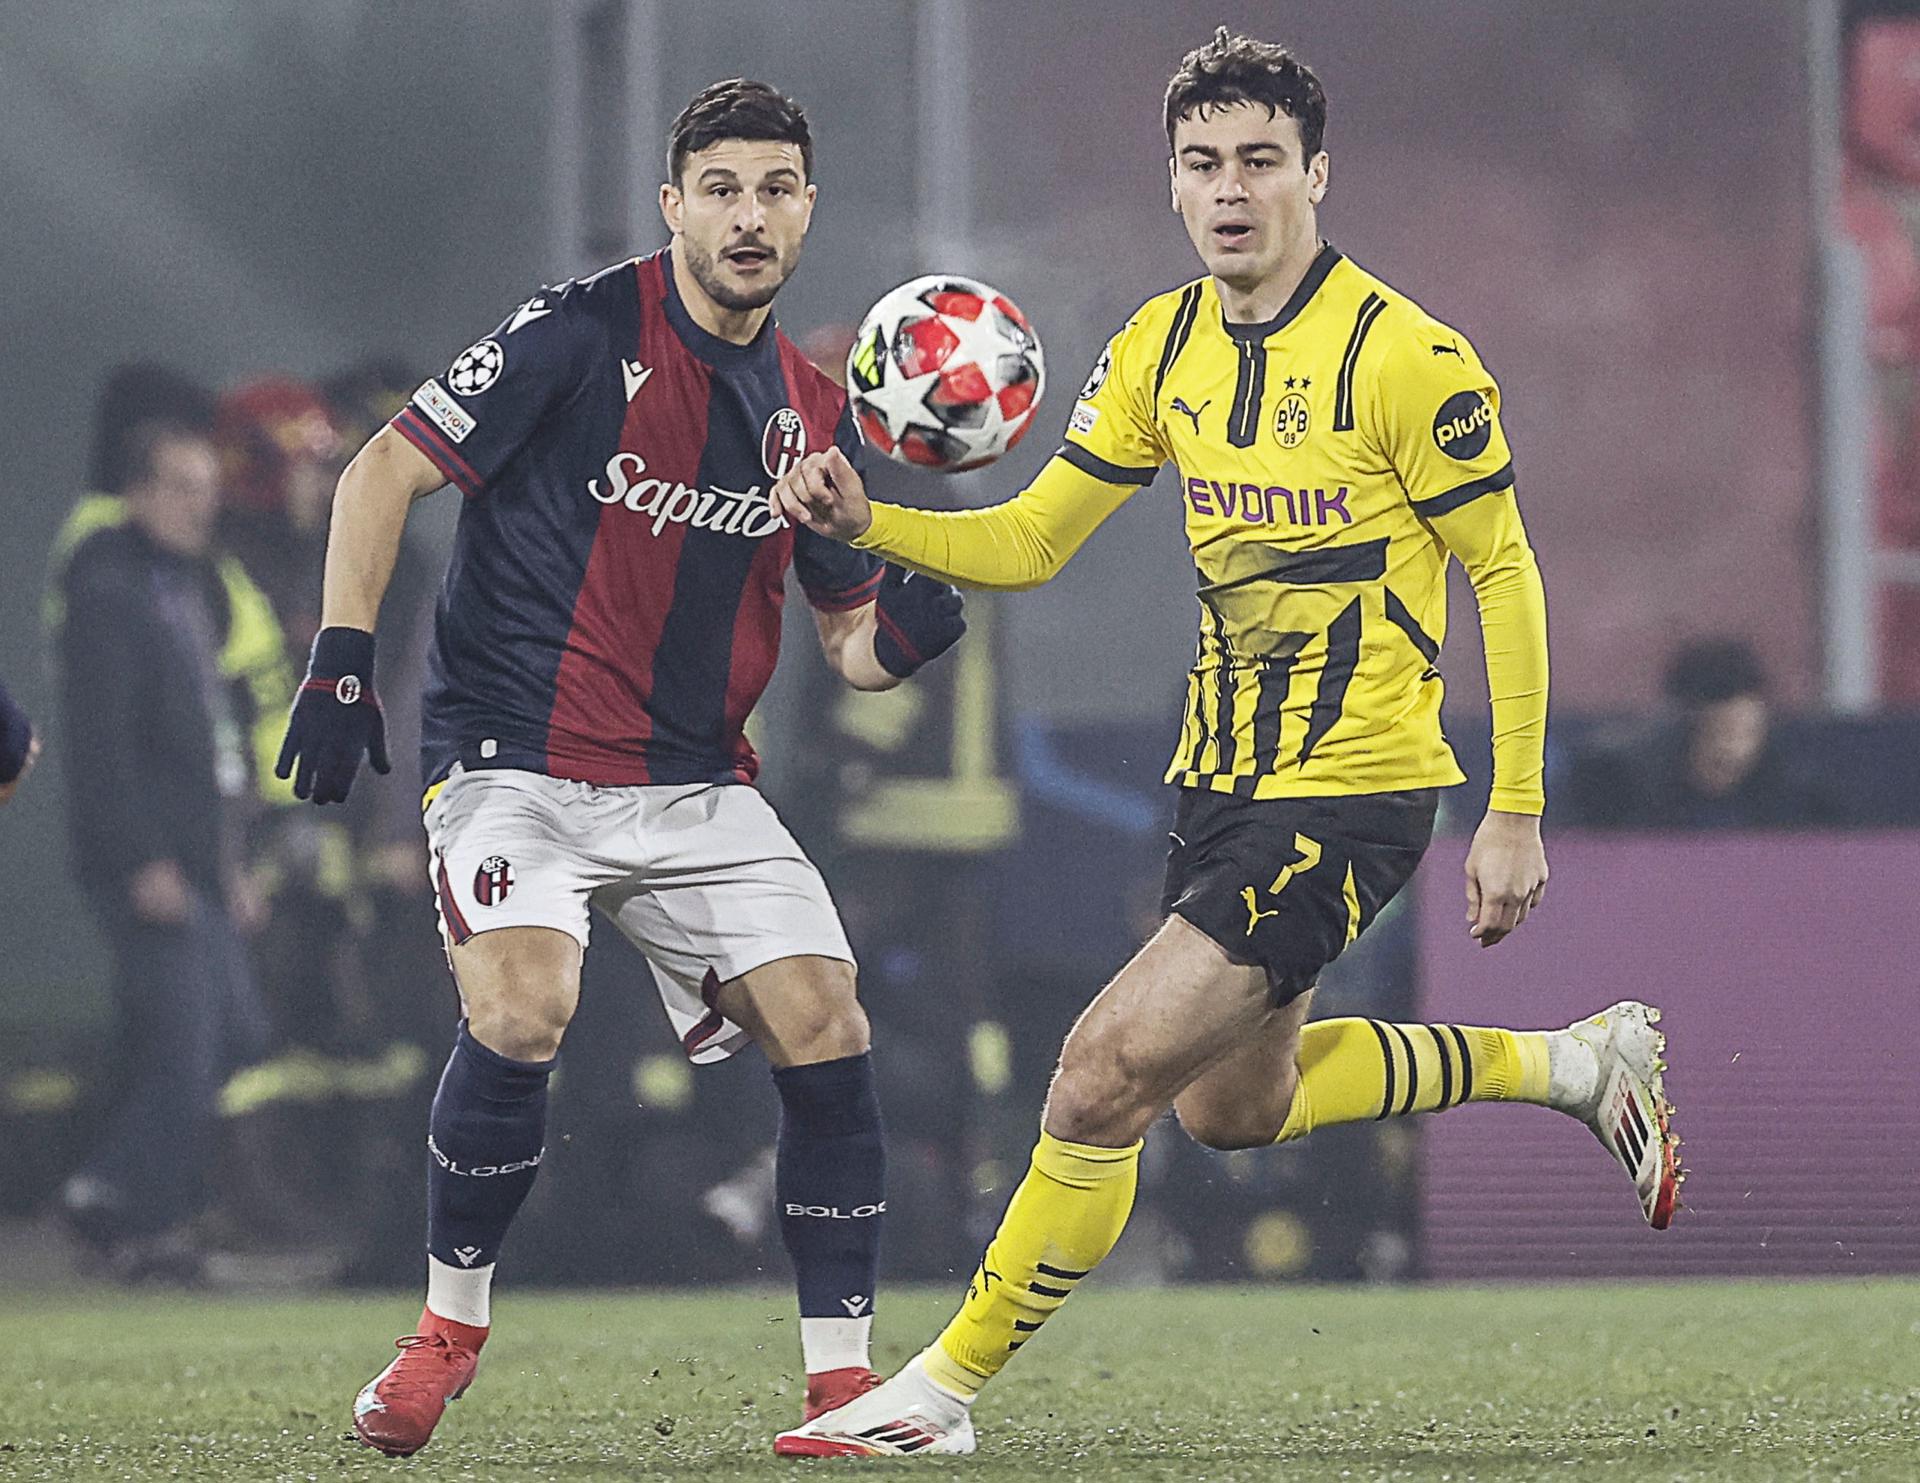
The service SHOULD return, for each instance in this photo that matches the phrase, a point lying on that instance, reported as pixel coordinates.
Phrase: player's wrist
(872, 527)
(340, 651)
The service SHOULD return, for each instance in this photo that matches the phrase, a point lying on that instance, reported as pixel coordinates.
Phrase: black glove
(336, 717)
(917, 619)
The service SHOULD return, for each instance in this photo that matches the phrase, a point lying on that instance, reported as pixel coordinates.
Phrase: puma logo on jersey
(1452, 350)
(1255, 916)
(1180, 406)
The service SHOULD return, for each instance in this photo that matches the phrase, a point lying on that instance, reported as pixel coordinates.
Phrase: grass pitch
(1693, 1382)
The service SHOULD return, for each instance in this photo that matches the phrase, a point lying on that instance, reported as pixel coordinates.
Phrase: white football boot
(907, 1416)
(1608, 1072)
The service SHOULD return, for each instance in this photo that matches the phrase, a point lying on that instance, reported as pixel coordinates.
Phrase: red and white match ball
(945, 374)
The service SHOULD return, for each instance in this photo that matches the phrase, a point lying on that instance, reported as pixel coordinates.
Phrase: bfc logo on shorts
(784, 442)
(493, 881)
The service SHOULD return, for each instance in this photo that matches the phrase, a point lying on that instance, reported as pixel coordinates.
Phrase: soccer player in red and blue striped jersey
(610, 616)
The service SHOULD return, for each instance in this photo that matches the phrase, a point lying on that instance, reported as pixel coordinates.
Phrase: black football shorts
(1287, 883)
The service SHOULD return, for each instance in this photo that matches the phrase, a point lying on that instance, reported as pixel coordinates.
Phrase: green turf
(1737, 1382)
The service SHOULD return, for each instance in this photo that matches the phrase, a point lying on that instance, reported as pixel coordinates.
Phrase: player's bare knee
(801, 1013)
(834, 1027)
(523, 1027)
(1101, 1095)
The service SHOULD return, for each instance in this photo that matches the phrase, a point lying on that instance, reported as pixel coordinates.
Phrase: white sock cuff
(461, 1294)
(835, 1343)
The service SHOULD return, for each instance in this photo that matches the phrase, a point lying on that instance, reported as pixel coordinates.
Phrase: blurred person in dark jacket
(1713, 761)
(254, 653)
(18, 746)
(155, 741)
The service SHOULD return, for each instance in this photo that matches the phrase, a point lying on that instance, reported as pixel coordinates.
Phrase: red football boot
(398, 1409)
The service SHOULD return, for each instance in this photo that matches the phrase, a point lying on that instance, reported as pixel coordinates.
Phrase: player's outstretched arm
(1507, 864)
(1011, 547)
(336, 717)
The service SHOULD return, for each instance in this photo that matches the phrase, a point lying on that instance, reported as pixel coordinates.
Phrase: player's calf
(1246, 1098)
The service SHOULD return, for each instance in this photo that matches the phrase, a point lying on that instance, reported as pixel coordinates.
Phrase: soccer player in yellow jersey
(1335, 445)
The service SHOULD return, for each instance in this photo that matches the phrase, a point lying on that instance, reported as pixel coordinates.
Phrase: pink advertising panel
(1788, 968)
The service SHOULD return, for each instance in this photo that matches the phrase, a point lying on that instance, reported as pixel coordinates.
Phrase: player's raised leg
(830, 1172)
(487, 1133)
(1177, 1007)
(1289, 1079)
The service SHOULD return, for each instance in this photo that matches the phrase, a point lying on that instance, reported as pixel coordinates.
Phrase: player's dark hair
(137, 393)
(1237, 69)
(1709, 671)
(737, 109)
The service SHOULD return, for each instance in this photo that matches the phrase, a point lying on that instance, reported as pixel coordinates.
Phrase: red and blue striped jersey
(611, 612)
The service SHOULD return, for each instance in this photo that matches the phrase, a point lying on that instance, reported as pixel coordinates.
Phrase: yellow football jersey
(1313, 451)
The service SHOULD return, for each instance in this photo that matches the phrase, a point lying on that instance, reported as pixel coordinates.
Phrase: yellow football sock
(1063, 1219)
(1354, 1070)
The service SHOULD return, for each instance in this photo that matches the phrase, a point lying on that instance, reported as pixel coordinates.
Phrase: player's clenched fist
(336, 719)
(823, 493)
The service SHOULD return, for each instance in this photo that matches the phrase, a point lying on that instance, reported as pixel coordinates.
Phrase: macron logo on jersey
(534, 308)
(731, 512)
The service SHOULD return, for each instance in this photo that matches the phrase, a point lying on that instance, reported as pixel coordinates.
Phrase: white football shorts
(703, 878)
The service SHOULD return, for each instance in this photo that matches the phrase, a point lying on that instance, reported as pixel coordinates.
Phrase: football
(945, 374)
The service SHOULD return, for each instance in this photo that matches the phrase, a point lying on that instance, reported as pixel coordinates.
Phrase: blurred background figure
(330, 879)
(19, 747)
(1713, 761)
(159, 781)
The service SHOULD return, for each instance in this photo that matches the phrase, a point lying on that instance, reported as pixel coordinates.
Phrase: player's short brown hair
(1237, 69)
(737, 109)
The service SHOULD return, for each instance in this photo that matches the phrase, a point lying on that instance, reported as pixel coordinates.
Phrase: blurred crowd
(267, 957)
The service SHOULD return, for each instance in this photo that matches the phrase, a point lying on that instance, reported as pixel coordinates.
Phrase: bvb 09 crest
(1291, 420)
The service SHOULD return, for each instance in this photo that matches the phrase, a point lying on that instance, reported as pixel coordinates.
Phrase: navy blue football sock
(830, 1183)
(484, 1143)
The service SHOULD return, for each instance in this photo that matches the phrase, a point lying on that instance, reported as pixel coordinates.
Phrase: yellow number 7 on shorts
(1309, 856)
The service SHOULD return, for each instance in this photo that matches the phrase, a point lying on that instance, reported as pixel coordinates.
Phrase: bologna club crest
(784, 443)
(492, 881)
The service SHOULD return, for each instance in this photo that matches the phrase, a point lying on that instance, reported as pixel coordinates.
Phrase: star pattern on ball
(944, 373)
